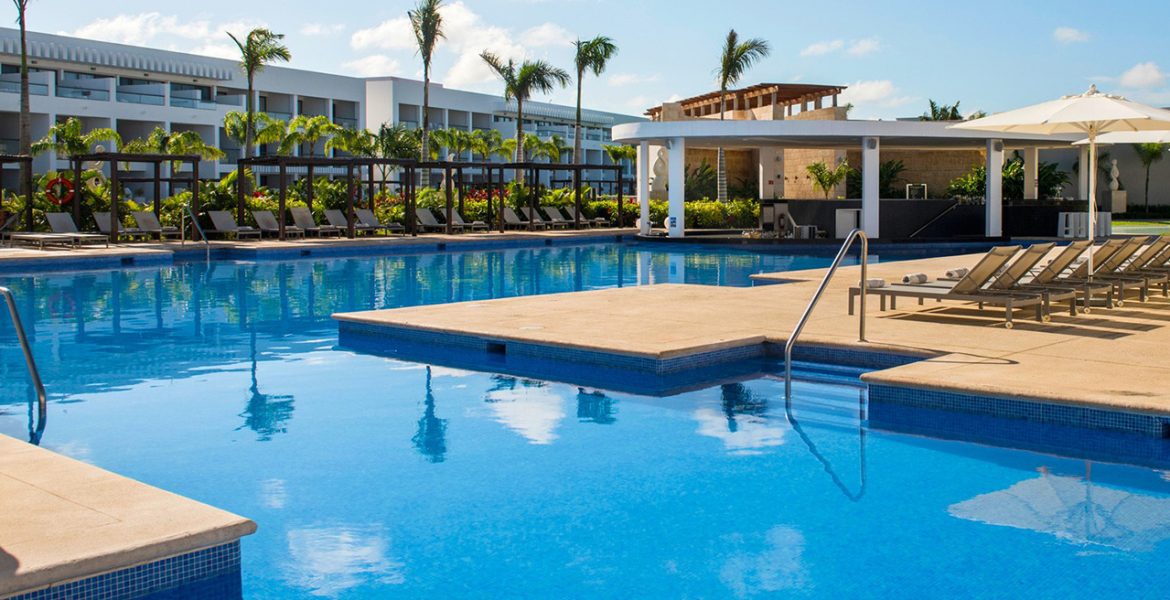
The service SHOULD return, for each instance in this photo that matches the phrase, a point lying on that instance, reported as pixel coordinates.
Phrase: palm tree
(67, 140)
(355, 142)
(737, 58)
(827, 179)
(265, 128)
(592, 55)
(1149, 154)
(486, 143)
(619, 152)
(259, 48)
(305, 129)
(556, 148)
(25, 108)
(179, 143)
(520, 81)
(427, 23)
(942, 112)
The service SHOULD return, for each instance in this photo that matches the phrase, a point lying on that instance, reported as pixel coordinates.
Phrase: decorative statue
(1114, 184)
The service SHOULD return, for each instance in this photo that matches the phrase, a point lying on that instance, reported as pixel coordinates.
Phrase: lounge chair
(1052, 276)
(367, 217)
(148, 222)
(40, 240)
(970, 288)
(457, 219)
(105, 225)
(571, 211)
(513, 221)
(266, 222)
(1109, 259)
(535, 218)
(1145, 266)
(62, 224)
(337, 219)
(9, 225)
(556, 218)
(304, 219)
(429, 223)
(224, 224)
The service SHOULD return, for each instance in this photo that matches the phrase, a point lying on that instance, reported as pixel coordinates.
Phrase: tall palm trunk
(577, 125)
(721, 160)
(250, 122)
(425, 146)
(1148, 188)
(25, 109)
(519, 157)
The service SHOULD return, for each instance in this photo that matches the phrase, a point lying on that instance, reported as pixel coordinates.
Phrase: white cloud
(1069, 35)
(820, 48)
(624, 79)
(1143, 76)
(547, 34)
(876, 94)
(864, 46)
(394, 34)
(321, 29)
(375, 65)
(157, 30)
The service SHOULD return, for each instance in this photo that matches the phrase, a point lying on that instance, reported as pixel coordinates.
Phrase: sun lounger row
(1013, 278)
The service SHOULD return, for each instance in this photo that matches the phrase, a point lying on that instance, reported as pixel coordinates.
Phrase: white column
(644, 187)
(993, 198)
(1031, 173)
(870, 194)
(676, 167)
(1083, 174)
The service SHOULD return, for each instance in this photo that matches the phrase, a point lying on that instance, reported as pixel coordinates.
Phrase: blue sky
(894, 55)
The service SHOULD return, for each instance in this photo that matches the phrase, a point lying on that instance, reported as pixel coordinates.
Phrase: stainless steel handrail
(183, 229)
(849, 239)
(33, 373)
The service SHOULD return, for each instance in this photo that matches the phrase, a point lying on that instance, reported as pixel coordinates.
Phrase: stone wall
(935, 168)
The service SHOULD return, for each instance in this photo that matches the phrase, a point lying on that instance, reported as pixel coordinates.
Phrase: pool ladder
(853, 236)
(34, 374)
(183, 229)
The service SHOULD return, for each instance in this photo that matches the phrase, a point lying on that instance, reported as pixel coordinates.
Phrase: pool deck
(1116, 360)
(64, 520)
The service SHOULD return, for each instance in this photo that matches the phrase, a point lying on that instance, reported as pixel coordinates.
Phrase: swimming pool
(371, 477)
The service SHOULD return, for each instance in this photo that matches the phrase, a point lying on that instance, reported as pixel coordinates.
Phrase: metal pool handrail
(206, 243)
(34, 374)
(828, 466)
(849, 239)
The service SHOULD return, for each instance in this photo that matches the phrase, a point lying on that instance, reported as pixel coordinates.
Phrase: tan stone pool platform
(63, 521)
(1116, 360)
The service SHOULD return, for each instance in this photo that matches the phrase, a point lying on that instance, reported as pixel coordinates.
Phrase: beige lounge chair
(457, 219)
(148, 222)
(535, 218)
(429, 223)
(104, 222)
(969, 289)
(556, 218)
(367, 217)
(571, 211)
(513, 221)
(337, 218)
(1052, 276)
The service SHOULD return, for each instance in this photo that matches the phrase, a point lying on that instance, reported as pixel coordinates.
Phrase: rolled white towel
(875, 282)
(958, 273)
(915, 278)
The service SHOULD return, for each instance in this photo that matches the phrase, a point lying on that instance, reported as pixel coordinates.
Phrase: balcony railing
(346, 122)
(283, 116)
(230, 100)
(181, 102)
(34, 89)
(139, 98)
(80, 93)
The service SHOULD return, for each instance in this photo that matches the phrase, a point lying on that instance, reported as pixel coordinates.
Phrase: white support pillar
(1083, 174)
(1031, 173)
(644, 188)
(676, 167)
(993, 197)
(870, 194)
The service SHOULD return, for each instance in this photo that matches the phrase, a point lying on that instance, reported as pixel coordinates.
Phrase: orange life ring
(59, 191)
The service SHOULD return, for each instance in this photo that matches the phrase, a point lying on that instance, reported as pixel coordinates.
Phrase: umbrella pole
(1092, 196)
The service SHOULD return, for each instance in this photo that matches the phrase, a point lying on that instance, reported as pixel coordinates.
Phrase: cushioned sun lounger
(535, 218)
(148, 222)
(304, 219)
(104, 222)
(336, 218)
(571, 211)
(427, 220)
(970, 288)
(267, 224)
(40, 240)
(367, 217)
(225, 225)
(62, 223)
(555, 217)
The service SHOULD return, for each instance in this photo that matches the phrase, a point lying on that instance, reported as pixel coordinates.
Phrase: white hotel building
(133, 90)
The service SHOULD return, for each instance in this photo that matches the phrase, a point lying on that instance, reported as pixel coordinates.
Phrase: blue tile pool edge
(219, 565)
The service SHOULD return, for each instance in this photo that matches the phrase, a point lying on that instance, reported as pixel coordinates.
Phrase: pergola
(112, 159)
(360, 172)
(867, 136)
(26, 161)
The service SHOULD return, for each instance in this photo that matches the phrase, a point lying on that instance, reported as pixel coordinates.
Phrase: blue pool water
(371, 477)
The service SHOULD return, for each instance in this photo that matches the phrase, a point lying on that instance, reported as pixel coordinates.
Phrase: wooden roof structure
(761, 94)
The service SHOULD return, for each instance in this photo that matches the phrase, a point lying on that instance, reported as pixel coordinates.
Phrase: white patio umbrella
(1092, 113)
(1129, 137)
